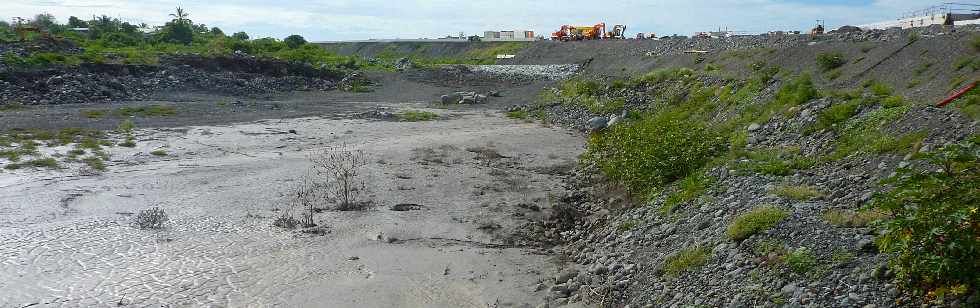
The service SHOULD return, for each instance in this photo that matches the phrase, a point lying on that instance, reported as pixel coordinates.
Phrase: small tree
(180, 16)
(240, 36)
(341, 167)
(294, 41)
(75, 22)
(217, 31)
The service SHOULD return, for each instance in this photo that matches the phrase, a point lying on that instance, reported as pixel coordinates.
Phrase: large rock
(598, 123)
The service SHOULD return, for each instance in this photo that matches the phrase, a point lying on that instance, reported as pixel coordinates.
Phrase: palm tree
(180, 15)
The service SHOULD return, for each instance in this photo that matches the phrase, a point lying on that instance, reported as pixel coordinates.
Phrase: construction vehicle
(618, 33)
(819, 29)
(23, 28)
(580, 33)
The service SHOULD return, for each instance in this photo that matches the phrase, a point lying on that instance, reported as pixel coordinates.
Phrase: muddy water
(65, 239)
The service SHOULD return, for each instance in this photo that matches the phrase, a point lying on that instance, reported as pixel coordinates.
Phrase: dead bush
(308, 195)
(153, 218)
(341, 170)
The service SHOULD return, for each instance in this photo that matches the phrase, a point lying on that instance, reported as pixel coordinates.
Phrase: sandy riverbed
(65, 239)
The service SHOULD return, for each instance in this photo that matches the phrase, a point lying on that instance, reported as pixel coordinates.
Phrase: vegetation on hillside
(934, 228)
(111, 40)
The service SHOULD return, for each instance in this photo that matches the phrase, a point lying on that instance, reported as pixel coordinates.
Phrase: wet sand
(65, 238)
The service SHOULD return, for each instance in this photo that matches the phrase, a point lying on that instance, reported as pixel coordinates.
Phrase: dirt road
(65, 239)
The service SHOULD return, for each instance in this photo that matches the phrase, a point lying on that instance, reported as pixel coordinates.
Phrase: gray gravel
(552, 72)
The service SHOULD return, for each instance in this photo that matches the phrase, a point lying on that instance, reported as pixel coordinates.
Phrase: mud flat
(66, 239)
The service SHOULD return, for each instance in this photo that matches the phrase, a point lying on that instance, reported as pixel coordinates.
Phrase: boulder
(598, 123)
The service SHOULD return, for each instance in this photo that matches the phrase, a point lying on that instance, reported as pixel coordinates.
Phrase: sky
(328, 20)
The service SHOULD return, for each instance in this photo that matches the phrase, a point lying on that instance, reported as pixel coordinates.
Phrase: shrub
(935, 230)
(829, 61)
(686, 259)
(755, 221)
(797, 192)
(797, 91)
(153, 218)
(853, 219)
(836, 114)
(341, 168)
(652, 151)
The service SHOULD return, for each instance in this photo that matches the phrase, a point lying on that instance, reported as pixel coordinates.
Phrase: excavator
(819, 29)
(618, 33)
(581, 33)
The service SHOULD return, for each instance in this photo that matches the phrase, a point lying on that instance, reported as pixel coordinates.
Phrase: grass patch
(853, 219)
(417, 116)
(49, 163)
(830, 60)
(755, 221)
(94, 114)
(775, 162)
(518, 114)
(864, 135)
(95, 163)
(797, 192)
(159, 153)
(12, 107)
(685, 260)
(146, 111)
(801, 261)
(628, 225)
(689, 188)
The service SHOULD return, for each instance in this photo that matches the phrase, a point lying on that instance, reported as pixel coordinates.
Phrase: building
(950, 14)
(508, 35)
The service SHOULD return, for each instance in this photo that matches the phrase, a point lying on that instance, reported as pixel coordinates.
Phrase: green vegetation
(969, 104)
(11, 107)
(864, 134)
(829, 61)
(797, 192)
(801, 261)
(689, 188)
(757, 220)
(628, 225)
(159, 152)
(95, 163)
(484, 53)
(935, 222)
(417, 116)
(126, 126)
(587, 94)
(836, 114)
(146, 111)
(971, 62)
(49, 163)
(651, 152)
(687, 259)
(111, 40)
(518, 114)
(775, 162)
(93, 114)
(853, 219)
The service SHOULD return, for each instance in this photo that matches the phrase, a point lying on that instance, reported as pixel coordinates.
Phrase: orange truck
(580, 33)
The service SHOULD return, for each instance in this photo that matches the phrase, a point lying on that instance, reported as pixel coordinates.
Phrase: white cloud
(353, 19)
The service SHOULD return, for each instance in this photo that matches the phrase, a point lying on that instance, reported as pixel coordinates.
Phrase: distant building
(950, 14)
(509, 35)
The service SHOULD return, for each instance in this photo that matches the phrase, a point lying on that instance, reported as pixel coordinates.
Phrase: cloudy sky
(320, 20)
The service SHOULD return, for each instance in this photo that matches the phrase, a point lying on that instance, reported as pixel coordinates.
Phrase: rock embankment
(232, 75)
